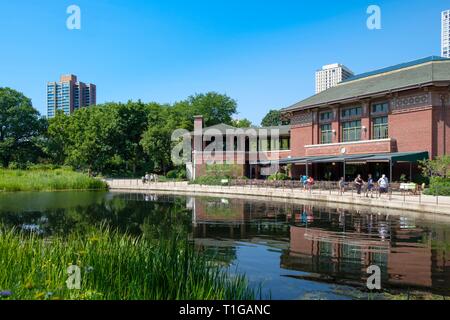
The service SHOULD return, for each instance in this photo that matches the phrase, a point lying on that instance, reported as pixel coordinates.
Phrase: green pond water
(290, 251)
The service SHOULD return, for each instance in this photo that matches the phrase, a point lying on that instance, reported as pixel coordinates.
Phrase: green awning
(374, 157)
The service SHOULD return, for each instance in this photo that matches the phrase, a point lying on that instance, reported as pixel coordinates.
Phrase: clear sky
(263, 53)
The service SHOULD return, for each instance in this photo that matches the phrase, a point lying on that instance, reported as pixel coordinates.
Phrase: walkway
(418, 203)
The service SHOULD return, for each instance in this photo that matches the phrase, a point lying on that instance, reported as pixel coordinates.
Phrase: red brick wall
(365, 134)
(300, 136)
(441, 126)
(447, 129)
(356, 148)
(413, 130)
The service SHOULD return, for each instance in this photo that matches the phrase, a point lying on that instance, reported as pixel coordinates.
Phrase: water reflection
(295, 250)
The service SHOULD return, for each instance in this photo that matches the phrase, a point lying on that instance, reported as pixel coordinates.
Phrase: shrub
(439, 187)
(223, 170)
(178, 174)
(209, 180)
(278, 177)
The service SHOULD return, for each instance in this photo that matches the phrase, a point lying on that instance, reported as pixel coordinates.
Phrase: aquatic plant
(47, 180)
(112, 266)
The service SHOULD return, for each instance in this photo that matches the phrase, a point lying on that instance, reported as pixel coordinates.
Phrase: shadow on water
(296, 251)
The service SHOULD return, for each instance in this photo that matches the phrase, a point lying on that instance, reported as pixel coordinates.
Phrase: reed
(113, 266)
(47, 180)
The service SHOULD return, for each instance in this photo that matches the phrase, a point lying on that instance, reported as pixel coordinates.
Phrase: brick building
(380, 122)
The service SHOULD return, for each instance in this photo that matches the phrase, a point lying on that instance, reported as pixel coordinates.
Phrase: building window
(326, 116)
(380, 128)
(285, 143)
(351, 131)
(326, 134)
(380, 108)
(351, 112)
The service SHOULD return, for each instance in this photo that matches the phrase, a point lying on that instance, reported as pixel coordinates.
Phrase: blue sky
(261, 53)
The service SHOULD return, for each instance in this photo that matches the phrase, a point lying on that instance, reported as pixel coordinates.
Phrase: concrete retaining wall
(426, 205)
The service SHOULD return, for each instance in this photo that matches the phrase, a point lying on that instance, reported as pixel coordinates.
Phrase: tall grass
(47, 180)
(114, 266)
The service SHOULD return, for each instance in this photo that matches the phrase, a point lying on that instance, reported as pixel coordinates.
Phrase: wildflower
(5, 294)
(39, 295)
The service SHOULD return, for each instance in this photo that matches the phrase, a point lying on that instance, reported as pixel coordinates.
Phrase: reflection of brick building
(405, 264)
(334, 243)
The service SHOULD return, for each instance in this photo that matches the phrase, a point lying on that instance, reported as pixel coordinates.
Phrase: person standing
(359, 182)
(310, 183)
(370, 186)
(304, 181)
(383, 185)
(342, 185)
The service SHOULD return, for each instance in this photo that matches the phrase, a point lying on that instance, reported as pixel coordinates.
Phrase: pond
(289, 250)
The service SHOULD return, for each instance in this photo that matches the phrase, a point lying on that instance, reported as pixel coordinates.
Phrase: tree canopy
(21, 128)
(111, 138)
(273, 118)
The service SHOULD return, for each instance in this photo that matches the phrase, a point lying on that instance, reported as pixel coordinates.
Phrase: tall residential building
(331, 75)
(445, 34)
(69, 94)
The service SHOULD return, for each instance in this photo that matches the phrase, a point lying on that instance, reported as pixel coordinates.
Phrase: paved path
(422, 203)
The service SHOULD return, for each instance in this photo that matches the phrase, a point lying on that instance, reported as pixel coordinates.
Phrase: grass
(47, 180)
(113, 266)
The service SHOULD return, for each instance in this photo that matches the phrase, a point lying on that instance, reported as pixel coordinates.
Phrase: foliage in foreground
(113, 266)
(47, 180)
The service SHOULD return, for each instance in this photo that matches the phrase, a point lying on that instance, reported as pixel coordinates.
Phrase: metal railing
(394, 192)
(330, 188)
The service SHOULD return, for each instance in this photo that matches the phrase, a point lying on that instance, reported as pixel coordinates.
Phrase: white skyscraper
(331, 75)
(445, 35)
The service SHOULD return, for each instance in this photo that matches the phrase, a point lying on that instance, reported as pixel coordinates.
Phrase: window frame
(378, 128)
(352, 130)
(358, 113)
(326, 133)
(381, 112)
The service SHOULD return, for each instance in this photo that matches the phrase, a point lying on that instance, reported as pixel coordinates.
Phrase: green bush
(223, 170)
(177, 174)
(209, 180)
(278, 177)
(439, 187)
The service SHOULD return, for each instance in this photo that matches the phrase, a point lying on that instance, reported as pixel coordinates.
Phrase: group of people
(359, 183)
(149, 178)
(307, 182)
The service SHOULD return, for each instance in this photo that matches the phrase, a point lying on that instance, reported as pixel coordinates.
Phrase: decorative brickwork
(409, 102)
(302, 118)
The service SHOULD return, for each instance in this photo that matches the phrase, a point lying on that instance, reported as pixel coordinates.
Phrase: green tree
(439, 167)
(273, 118)
(157, 144)
(21, 127)
(92, 133)
(214, 107)
(57, 138)
(241, 123)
